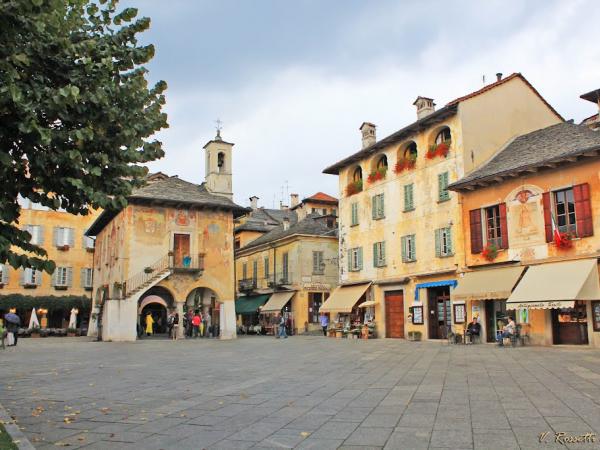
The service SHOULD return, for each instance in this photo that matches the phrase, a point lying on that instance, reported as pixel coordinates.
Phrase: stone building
(171, 247)
(400, 227)
(532, 238)
(61, 234)
(291, 268)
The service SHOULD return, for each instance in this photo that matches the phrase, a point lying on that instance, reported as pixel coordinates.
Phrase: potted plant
(436, 150)
(490, 252)
(406, 163)
(564, 241)
(414, 335)
(148, 270)
(71, 332)
(377, 174)
(64, 247)
(354, 187)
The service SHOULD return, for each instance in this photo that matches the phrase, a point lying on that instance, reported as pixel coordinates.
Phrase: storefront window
(596, 315)
(315, 300)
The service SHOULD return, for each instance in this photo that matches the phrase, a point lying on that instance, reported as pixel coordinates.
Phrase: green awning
(250, 304)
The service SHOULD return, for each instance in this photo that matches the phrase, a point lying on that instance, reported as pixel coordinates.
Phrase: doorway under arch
(157, 302)
(205, 301)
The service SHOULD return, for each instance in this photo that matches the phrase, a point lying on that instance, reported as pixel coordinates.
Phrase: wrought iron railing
(193, 263)
(145, 275)
(247, 284)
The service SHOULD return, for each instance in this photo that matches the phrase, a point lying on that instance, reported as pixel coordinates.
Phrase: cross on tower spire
(219, 127)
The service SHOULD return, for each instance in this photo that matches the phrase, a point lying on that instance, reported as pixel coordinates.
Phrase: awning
(489, 284)
(249, 304)
(431, 284)
(367, 304)
(277, 301)
(556, 285)
(343, 299)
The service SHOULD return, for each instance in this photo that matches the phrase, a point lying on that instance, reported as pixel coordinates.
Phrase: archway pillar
(180, 329)
(227, 320)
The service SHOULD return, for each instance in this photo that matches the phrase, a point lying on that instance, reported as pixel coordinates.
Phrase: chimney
(425, 106)
(286, 223)
(282, 206)
(367, 130)
(499, 76)
(294, 200)
(254, 202)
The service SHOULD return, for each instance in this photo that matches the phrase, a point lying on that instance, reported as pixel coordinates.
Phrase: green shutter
(360, 258)
(403, 245)
(438, 243)
(350, 260)
(375, 255)
(449, 240)
(408, 198)
(382, 253)
(374, 207)
(414, 247)
(411, 195)
(443, 193)
(381, 206)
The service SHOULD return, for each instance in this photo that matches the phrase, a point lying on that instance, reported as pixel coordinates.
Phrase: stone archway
(158, 302)
(206, 301)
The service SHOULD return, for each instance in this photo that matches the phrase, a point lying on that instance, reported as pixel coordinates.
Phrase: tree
(76, 113)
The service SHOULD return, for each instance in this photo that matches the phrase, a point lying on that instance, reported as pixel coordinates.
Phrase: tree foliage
(49, 302)
(77, 115)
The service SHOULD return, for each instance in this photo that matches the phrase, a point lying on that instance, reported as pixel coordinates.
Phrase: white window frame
(89, 277)
(410, 255)
(355, 259)
(31, 276)
(318, 263)
(378, 259)
(61, 277)
(446, 242)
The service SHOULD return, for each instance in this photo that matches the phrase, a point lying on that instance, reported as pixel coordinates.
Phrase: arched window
(221, 161)
(357, 174)
(382, 163)
(410, 151)
(443, 136)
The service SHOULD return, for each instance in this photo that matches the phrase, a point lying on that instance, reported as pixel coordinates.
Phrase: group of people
(474, 331)
(197, 324)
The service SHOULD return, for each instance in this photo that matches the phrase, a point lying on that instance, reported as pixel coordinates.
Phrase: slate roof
(264, 219)
(534, 150)
(312, 224)
(170, 191)
(427, 121)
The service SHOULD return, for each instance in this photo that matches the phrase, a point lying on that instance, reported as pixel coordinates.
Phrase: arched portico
(157, 302)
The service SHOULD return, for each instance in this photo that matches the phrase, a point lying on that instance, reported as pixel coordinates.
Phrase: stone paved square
(303, 392)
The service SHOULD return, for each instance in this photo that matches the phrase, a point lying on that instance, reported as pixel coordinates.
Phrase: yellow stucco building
(400, 227)
(171, 248)
(61, 234)
(292, 267)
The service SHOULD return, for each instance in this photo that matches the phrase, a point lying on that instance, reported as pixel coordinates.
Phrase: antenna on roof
(483, 79)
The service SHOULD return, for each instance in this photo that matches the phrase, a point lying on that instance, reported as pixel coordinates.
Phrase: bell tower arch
(218, 167)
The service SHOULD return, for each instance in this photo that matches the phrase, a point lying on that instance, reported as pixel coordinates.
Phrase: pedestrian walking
(208, 324)
(324, 323)
(282, 333)
(196, 320)
(3, 334)
(149, 324)
(12, 328)
(170, 323)
(189, 326)
(175, 326)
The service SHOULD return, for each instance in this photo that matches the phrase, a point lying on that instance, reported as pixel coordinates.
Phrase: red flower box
(376, 175)
(405, 164)
(354, 188)
(490, 252)
(440, 150)
(564, 241)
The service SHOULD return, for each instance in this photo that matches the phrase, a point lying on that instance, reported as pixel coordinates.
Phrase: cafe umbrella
(12, 318)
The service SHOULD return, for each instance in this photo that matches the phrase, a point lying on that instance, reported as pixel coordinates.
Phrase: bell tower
(218, 165)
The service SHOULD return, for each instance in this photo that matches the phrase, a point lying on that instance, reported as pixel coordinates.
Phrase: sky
(293, 80)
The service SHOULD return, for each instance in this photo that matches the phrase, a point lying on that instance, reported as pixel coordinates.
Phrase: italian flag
(557, 237)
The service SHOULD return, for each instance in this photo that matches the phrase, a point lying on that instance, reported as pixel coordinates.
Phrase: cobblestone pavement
(302, 392)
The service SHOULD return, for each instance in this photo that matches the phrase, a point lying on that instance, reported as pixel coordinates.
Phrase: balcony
(280, 280)
(187, 264)
(246, 285)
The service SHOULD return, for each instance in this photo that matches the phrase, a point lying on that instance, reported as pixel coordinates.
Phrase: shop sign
(316, 286)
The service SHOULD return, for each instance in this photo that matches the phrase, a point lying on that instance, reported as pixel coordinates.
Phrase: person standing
(175, 325)
(149, 324)
(170, 323)
(3, 334)
(324, 323)
(282, 333)
(196, 324)
(208, 324)
(190, 318)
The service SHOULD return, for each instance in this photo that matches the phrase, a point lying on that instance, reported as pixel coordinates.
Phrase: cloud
(291, 118)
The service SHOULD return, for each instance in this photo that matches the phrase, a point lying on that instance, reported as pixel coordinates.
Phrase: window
(443, 242)
(87, 278)
(63, 237)
(379, 254)
(285, 273)
(493, 231)
(382, 163)
(62, 276)
(221, 161)
(443, 193)
(318, 263)
(267, 267)
(596, 315)
(410, 152)
(37, 234)
(409, 249)
(237, 244)
(315, 300)
(409, 201)
(88, 243)
(333, 212)
(354, 210)
(357, 174)
(244, 271)
(3, 274)
(443, 136)
(324, 211)
(255, 272)
(378, 207)
(564, 205)
(314, 210)
(31, 277)
(355, 259)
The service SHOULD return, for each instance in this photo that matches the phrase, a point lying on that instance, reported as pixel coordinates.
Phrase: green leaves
(77, 115)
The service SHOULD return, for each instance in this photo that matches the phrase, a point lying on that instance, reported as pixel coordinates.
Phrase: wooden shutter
(57, 235)
(476, 231)
(266, 267)
(413, 244)
(360, 258)
(375, 256)
(583, 210)
(381, 206)
(350, 260)
(71, 237)
(547, 216)
(82, 277)
(4, 277)
(438, 243)
(40, 236)
(403, 241)
(449, 246)
(374, 207)
(69, 276)
(503, 226)
(23, 276)
(382, 253)
(443, 186)
(38, 278)
(56, 276)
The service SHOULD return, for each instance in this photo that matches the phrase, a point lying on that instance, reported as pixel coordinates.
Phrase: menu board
(417, 315)
(460, 313)
(596, 315)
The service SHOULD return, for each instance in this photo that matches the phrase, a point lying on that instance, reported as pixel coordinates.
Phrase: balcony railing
(192, 263)
(280, 279)
(247, 284)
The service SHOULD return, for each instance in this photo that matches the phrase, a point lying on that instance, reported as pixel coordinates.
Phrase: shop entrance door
(439, 312)
(394, 314)
(569, 325)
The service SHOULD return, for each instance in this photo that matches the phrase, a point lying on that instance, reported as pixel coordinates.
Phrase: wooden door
(181, 248)
(394, 314)
(570, 325)
(432, 314)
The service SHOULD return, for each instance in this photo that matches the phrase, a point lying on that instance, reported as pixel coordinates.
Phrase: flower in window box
(406, 163)
(63, 248)
(148, 270)
(436, 150)
(490, 252)
(564, 240)
(377, 174)
(354, 187)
